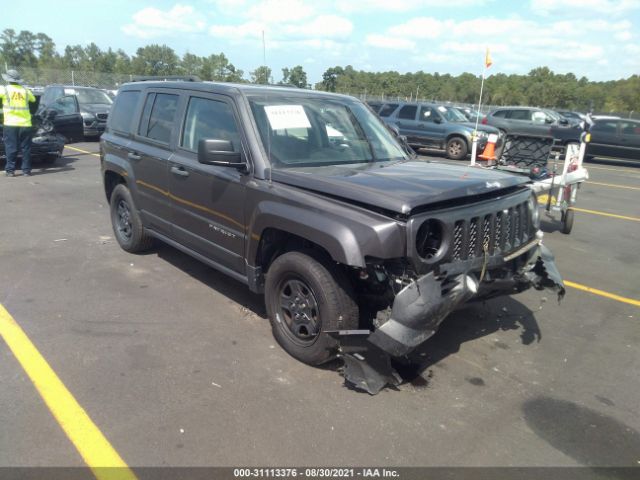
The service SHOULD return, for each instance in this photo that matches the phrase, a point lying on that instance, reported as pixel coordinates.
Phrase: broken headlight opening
(407, 308)
(534, 211)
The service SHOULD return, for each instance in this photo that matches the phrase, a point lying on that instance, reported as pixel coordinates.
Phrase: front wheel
(567, 222)
(126, 222)
(457, 148)
(306, 297)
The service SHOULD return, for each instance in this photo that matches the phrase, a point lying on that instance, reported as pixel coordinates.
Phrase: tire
(457, 148)
(126, 222)
(567, 222)
(319, 293)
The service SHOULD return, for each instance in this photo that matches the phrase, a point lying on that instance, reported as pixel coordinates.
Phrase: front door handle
(179, 171)
(133, 156)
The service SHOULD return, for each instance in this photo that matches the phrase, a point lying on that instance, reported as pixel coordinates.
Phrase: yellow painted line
(92, 445)
(83, 151)
(602, 293)
(605, 214)
(612, 185)
(589, 166)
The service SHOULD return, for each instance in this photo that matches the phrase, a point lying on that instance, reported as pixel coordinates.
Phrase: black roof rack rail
(166, 78)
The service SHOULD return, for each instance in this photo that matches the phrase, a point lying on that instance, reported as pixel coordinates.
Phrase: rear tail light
(484, 121)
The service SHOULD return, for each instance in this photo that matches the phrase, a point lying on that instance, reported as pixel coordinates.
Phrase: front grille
(102, 116)
(499, 232)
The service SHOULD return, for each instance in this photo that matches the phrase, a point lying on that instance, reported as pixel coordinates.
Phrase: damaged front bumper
(421, 306)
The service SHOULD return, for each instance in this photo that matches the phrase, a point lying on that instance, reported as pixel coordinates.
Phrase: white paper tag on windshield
(69, 91)
(287, 116)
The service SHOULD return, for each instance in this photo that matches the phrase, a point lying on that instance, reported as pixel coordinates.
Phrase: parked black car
(94, 105)
(308, 198)
(614, 138)
(441, 127)
(53, 126)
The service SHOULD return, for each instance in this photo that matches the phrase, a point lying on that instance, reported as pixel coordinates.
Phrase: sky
(599, 39)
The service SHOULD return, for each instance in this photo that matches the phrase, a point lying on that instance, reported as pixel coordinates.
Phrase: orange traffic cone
(489, 153)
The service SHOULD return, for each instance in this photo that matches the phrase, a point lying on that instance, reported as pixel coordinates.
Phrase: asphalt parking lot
(176, 365)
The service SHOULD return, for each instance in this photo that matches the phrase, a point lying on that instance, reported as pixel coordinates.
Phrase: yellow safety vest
(15, 105)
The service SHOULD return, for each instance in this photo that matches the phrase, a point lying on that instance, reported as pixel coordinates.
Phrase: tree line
(540, 87)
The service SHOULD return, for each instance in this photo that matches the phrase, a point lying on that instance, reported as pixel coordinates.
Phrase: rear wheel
(126, 222)
(306, 297)
(456, 148)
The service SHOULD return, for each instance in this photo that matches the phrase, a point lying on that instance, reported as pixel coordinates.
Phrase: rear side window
(408, 112)
(605, 127)
(499, 114)
(122, 112)
(209, 119)
(519, 115)
(387, 109)
(161, 108)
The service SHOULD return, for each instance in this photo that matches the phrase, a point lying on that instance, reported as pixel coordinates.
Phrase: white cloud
(372, 7)
(623, 36)
(323, 26)
(422, 27)
(233, 32)
(280, 11)
(152, 22)
(384, 41)
(571, 7)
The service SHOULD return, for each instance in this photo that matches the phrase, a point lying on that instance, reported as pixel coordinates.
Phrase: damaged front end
(411, 303)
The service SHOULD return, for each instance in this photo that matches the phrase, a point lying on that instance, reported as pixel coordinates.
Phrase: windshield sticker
(442, 109)
(69, 91)
(287, 116)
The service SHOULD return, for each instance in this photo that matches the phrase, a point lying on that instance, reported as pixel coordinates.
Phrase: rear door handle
(179, 171)
(133, 156)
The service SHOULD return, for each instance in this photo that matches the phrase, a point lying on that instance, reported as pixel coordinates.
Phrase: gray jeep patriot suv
(308, 198)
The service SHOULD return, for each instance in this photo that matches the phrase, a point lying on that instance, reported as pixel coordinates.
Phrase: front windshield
(451, 114)
(86, 96)
(305, 131)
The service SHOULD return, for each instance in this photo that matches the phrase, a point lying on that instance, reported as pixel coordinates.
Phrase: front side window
(630, 128)
(209, 119)
(539, 117)
(161, 117)
(451, 114)
(302, 131)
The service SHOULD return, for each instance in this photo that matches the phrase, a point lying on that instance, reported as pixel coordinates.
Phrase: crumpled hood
(95, 108)
(399, 187)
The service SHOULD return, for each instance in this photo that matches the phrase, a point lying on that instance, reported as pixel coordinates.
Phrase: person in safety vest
(17, 122)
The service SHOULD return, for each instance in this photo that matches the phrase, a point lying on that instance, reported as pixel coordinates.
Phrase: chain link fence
(484, 109)
(40, 77)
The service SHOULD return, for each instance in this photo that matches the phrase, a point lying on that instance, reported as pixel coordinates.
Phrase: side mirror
(218, 152)
(549, 120)
(437, 119)
(564, 121)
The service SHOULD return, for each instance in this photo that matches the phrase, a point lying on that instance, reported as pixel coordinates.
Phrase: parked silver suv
(529, 121)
